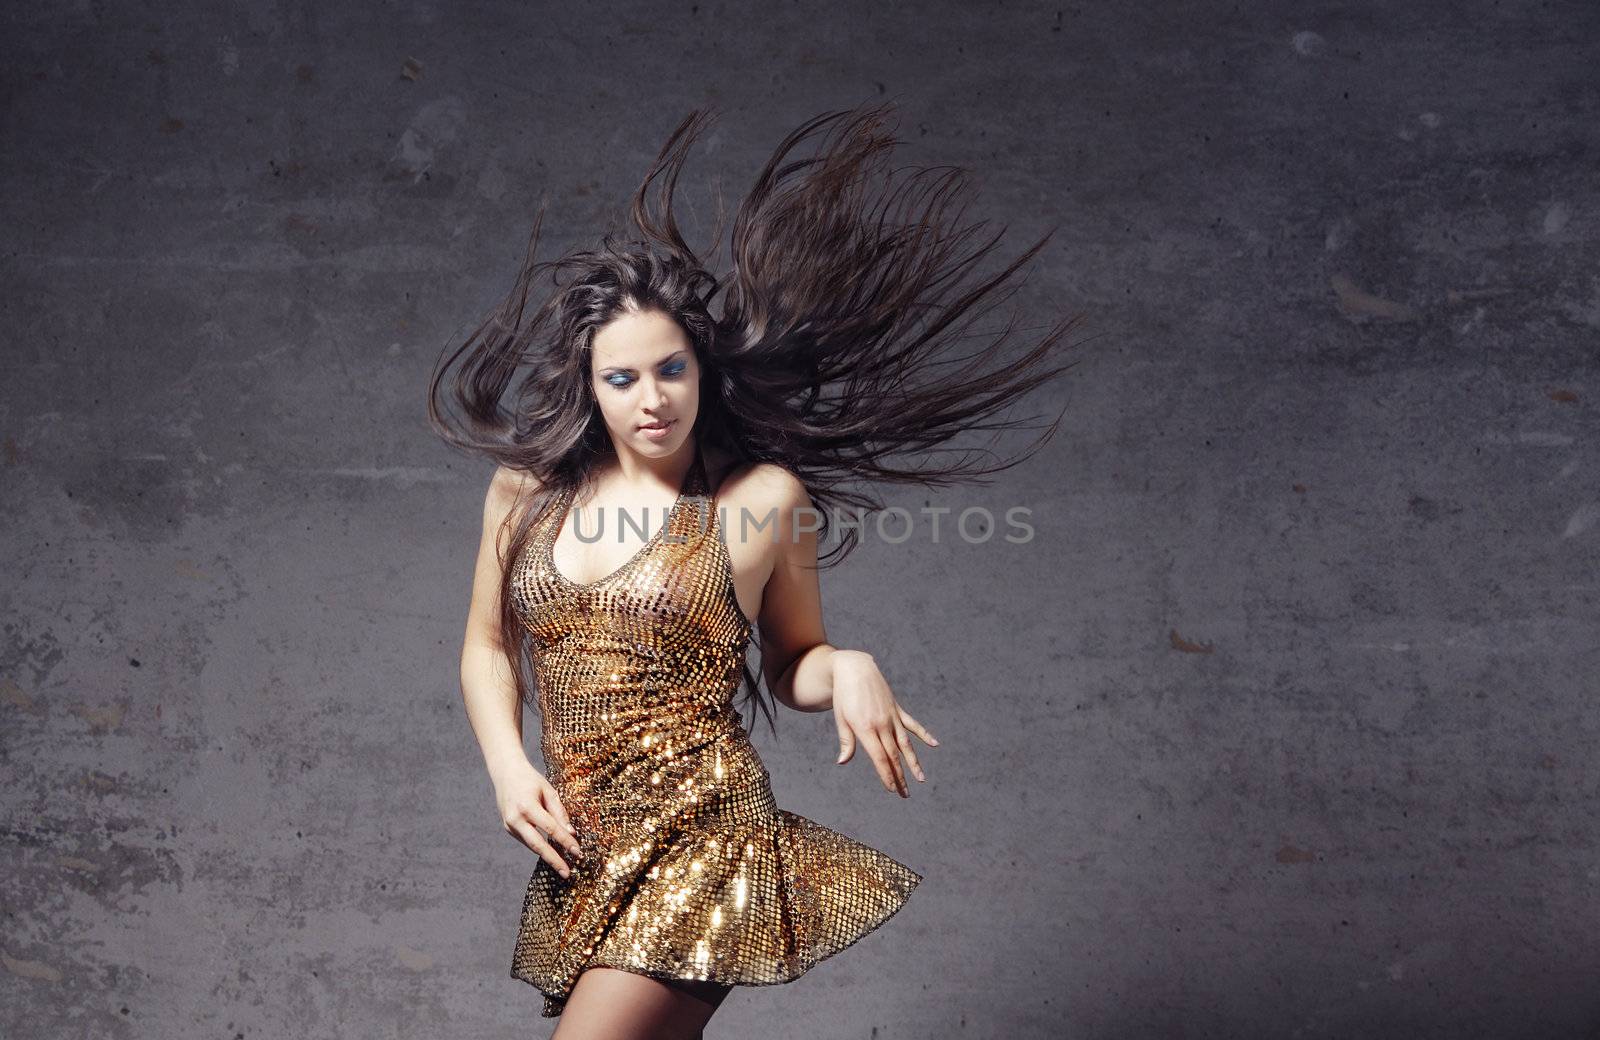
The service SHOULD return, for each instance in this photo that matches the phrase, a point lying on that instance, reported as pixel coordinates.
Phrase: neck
(672, 470)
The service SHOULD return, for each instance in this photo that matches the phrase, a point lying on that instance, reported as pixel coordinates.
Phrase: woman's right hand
(528, 804)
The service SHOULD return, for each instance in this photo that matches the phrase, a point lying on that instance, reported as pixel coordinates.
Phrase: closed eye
(670, 370)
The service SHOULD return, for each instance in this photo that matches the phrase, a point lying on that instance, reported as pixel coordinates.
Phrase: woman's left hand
(864, 709)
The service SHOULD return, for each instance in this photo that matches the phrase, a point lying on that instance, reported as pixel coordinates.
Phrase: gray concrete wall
(1284, 725)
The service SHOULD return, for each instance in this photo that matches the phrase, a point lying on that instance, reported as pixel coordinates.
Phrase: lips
(658, 425)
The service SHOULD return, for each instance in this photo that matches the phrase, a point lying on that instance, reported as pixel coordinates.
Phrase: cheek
(614, 405)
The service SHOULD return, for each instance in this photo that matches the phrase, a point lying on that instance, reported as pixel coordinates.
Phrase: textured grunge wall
(1284, 724)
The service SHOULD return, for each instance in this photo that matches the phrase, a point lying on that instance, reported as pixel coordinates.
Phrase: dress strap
(699, 480)
(689, 512)
(541, 538)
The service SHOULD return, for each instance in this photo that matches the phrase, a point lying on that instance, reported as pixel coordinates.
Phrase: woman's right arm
(527, 800)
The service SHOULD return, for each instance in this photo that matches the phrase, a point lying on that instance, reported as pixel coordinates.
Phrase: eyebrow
(609, 369)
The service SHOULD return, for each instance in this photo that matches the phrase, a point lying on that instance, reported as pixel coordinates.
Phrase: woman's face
(644, 374)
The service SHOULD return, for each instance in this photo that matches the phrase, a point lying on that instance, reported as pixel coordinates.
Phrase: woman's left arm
(807, 673)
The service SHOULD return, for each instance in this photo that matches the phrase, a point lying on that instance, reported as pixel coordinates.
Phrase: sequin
(688, 868)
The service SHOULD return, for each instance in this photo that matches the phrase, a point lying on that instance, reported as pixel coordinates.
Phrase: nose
(655, 396)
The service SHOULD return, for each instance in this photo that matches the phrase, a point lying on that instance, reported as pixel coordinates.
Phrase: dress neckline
(688, 483)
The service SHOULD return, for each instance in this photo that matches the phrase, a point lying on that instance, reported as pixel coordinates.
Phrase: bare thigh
(610, 1004)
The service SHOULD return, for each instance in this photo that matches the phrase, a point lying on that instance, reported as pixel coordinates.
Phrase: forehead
(633, 340)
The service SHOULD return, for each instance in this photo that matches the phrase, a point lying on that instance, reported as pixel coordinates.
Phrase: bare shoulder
(762, 486)
(507, 487)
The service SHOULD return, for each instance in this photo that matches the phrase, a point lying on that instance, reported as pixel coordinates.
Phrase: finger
(551, 798)
(530, 836)
(556, 814)
(847, 743)
(880, 759)
(918, 728)
(891, 751)
(542, 826)
(910, 752)
(555, 828)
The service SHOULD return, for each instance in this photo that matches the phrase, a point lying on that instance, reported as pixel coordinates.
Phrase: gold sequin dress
(689, 870)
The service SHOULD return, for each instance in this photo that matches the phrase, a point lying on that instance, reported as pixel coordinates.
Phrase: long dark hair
(848, 286)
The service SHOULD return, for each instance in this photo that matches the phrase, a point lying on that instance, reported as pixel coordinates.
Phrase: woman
(666, 872)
